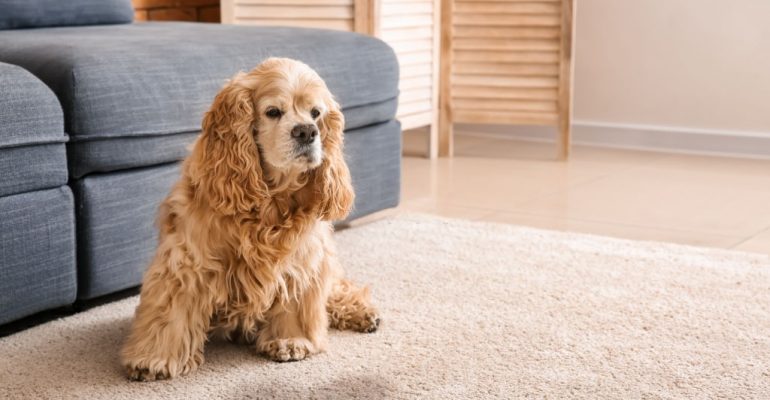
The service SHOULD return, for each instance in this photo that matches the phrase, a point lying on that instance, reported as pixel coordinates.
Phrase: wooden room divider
(506, 62)
(462, 61)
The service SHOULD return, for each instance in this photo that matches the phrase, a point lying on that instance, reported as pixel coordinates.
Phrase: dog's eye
(273, 113)
(315, 113)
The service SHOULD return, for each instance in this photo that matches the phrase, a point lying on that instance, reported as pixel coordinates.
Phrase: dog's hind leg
(350, 308)
(171, 323)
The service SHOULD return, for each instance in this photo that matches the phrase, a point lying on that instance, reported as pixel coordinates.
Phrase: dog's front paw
(283, 350)
(146, 375)
(148, 371)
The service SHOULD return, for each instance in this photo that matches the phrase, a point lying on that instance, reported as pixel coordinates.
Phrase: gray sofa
(128, 100)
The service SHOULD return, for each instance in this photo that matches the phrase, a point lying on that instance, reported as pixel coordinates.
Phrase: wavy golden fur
(246, 249)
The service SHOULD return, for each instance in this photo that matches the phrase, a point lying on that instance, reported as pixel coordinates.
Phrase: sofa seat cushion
(159, 78)
(31, 134)
(37, 249)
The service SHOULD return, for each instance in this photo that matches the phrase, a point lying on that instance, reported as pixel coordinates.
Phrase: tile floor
(697, 200)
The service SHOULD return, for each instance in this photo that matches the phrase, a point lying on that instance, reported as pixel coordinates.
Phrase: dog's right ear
(225, 160)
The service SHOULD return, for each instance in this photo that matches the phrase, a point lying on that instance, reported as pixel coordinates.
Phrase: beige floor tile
(759, 243)
(712, 201)
(433, 206)
(693, 238)
(668, 199)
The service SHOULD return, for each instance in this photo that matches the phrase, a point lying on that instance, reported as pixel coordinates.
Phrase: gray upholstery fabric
(158, 78)
(29, 111)
(111, 154)
(37, 250)
(116, 211)
(116, 226)
(374, 157)
(37, 13)
(27, 168)
(31, 134)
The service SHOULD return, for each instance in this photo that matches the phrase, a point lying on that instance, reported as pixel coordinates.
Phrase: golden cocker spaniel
(246, 249)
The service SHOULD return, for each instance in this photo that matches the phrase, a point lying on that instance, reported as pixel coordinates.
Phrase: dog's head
(276, 128)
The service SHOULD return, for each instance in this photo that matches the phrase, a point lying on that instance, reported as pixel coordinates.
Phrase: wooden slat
(414, 83)
(506, 20)
(414, 33)
(295, 2)
(339, 24)
(488, 68)
(294, 12)
(506, 81)
(411, 71)
(460, 91)
(391, 8)
(503, 117)
(415, 120)
(507, 32)
(408, 46)
(414, 107)
(408, 96)
(504, 105)
(485, 7)
(505, 44)
(517, 1)
(407, 59)
(510, 56)
(407, 21)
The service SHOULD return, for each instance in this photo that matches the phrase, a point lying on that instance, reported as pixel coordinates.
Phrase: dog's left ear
(332, 179)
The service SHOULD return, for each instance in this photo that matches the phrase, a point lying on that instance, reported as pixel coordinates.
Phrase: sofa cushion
(29, 111)
(39, 13)
(111, 154)
(37, 249)
(159, 78)
(31, 134)
(116, 228)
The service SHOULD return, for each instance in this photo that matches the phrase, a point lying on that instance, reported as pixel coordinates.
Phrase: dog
(246, 251)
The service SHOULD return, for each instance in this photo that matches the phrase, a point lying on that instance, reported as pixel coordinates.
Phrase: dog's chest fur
(251, 290)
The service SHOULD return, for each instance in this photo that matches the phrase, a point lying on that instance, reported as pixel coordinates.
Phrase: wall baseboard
(639, 137)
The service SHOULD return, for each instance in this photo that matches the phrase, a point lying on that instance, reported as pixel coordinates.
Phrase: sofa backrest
(41, 13)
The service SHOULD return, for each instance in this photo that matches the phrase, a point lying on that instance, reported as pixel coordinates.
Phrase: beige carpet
(470, 311)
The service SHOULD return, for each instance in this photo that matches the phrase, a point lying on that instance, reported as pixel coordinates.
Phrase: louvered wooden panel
(328, 14)
(505, 61)
(410, 27)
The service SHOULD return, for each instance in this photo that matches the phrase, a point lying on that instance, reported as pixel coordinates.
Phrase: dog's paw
(156, 370)
(147, 375)
(369, 323)
(284, 350)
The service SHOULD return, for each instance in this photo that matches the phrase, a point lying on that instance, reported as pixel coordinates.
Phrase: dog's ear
(226, 162)
(332, 179)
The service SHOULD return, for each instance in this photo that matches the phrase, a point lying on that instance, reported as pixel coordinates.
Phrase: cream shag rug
(470, 310)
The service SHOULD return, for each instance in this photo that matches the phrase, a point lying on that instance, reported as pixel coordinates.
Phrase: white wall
(692, 64)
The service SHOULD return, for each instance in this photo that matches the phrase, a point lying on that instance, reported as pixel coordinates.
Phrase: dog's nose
(304, 133)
